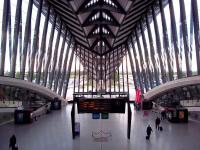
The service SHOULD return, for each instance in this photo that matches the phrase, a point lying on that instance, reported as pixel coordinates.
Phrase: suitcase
(147, 138)
(161, 128)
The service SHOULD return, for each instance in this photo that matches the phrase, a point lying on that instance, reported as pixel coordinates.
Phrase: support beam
(55, 55)
(122, 69)
(79, 70)
(105, 69)
(63, 74)
(166, 42)
(175, 40)
(96, 69)
(146, 83)
(15, 38)
(43, 46)
(132, 68)
(113, 70)
(188, 52)
(49, 52)
(73, 120)
(88, 78)
(137, 66)
(68, 73)
(10, 32)
(26, 38)
(127, 80)
(196, 32)
(75, 70)
(158, 46)
(35, 41)
(152, 50)
(149, 72)
(58, 68)
(4, 36)
(110, 74)
(101, 69)
(118, 70)
(92, 73)
(129, 121)
(84, 69)
(20, 43)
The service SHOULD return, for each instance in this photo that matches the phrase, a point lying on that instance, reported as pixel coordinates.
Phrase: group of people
(157, 126)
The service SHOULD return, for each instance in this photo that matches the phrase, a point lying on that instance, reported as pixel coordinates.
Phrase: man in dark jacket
(163, 115)
(12, 142)
(149, 130)
(157, 123)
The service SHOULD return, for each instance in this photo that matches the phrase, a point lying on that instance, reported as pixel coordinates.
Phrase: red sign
(137, 97)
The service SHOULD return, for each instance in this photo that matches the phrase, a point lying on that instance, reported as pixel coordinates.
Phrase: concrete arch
(170, 86)
(30, 86)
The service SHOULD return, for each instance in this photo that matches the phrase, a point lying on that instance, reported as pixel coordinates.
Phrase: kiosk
(147, 105)
(56, 104)
(177, 115)
(22, 116)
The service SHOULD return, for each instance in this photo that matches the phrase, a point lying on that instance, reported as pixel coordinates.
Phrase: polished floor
(53, 132)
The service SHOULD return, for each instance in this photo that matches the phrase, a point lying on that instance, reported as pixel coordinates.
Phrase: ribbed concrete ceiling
(101, 25)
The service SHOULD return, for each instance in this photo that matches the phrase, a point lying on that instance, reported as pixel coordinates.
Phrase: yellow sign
(181, 114)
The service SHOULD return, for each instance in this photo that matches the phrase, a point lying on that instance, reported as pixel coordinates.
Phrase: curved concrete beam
(170, 86)
(30, 86)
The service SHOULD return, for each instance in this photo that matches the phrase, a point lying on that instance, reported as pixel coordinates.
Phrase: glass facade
(37, 45)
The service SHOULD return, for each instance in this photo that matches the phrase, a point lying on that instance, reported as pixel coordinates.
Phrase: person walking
(157, 122)
(149, 130)
(163, 115)
(12, 142)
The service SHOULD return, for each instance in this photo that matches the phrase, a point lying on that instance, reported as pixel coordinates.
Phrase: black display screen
(22, 116)
(112, 105)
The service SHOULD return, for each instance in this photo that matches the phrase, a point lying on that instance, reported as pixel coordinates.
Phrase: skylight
(97, 31)
(105, 31)
(110, 3)
(95, 17)
(92, 2)
(101, 43)
(105, 16)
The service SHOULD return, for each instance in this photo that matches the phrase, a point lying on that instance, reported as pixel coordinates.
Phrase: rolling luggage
(16, 148)
(147, 137)
(161, 128)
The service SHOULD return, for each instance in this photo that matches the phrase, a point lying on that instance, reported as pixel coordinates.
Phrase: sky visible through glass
(33, 19)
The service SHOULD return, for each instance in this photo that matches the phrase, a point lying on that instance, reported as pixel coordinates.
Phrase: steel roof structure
(104, 39)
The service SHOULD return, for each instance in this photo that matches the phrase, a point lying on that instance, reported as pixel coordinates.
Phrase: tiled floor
(53, 132)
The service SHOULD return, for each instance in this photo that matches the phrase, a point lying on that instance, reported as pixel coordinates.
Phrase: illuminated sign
(112, 105)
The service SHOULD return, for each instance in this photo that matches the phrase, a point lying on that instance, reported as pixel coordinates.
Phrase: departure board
(112, 105)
